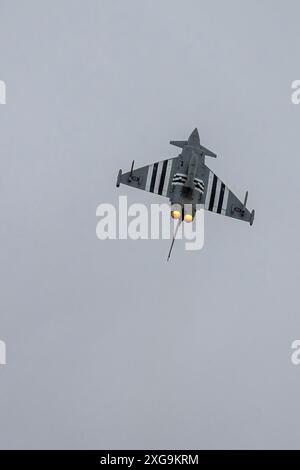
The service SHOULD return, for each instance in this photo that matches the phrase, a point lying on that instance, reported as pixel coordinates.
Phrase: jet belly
(182, 195)
(186, 188)
(192, 171)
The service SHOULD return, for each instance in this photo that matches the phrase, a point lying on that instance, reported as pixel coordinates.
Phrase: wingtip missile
(119, 178)
(252, 215)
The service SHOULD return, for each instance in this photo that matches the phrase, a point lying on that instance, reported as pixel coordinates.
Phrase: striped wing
(219, 199)
(155, 178)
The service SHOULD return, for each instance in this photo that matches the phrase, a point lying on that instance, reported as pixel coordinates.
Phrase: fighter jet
(187, 181)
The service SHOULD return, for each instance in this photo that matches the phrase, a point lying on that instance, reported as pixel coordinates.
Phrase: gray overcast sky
(108, 346)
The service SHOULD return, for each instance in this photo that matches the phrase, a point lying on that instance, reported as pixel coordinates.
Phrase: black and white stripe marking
(216, 195)
(199, 185)
(179, 179)
(158, 177)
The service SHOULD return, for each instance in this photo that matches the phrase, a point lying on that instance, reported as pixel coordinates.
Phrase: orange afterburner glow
(175, 214)
(188, 218)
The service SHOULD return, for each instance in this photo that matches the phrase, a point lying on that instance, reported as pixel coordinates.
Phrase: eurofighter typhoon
(187, 181)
